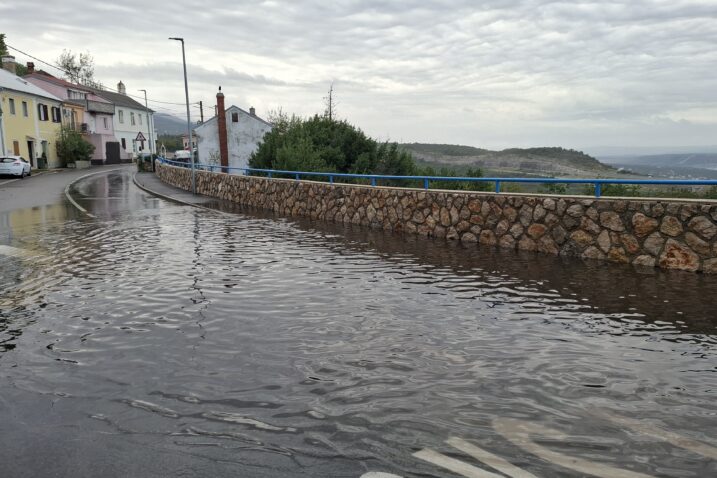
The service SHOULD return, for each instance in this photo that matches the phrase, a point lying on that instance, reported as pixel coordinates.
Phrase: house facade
(234, 130)
(133, 124)
(84, 112)
(30, 120)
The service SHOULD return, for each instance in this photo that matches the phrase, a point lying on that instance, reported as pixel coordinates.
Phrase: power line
(67, 73)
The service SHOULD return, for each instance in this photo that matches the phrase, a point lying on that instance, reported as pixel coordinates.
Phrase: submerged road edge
(72, 183)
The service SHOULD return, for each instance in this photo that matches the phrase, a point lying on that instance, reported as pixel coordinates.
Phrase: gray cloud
(494, 73)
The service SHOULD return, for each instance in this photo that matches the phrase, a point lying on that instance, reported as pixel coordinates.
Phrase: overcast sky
(487, 73)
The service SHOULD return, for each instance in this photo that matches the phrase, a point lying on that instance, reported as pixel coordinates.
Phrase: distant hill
(547, 161)
(683, 160)
(169, 125)
(673, 165)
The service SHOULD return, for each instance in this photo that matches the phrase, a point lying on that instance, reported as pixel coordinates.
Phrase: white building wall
(243, 139)
(129, 132)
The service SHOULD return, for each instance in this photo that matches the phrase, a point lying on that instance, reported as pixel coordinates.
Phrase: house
(185, 142)
(230, 137)
(30, 119)
(84, 112)
(133, 123)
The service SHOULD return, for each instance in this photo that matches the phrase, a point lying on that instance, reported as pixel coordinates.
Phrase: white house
(132, 123)
(243, 130)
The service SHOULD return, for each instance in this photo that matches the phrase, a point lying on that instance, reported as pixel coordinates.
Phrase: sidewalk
(150, 183)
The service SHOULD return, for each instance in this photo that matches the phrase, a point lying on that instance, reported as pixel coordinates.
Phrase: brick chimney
(222, 123)
(8, 63)
(252, 111)
(121, 88)
(30, 68)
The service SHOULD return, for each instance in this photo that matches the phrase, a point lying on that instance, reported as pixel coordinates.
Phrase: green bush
(71, 147)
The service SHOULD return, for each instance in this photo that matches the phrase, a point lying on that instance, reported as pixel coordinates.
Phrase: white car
(15, 166)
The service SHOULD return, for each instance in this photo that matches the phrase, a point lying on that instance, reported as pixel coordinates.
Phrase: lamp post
(189, 123)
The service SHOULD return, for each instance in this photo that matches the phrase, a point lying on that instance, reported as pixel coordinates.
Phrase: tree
(78, 68)
(71, 146)
(330, 110)
(321, 144)
(3, 47)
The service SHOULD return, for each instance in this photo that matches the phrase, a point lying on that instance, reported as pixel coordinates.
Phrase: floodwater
(162, 340)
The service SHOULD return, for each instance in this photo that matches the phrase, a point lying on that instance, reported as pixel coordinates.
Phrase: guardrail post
(497, 187)
(425, 183)
(297, 176)
(331, 179)
(598, 190)
(269, 174)
(373, 182)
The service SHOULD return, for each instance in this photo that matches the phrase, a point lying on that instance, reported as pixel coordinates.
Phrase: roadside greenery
(323, 144)
(71, 147)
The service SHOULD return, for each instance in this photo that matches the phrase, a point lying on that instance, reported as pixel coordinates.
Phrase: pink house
(84, 111)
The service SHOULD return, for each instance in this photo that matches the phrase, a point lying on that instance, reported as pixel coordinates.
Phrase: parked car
(15, 166)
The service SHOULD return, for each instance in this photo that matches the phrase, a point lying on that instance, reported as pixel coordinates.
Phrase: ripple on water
(324, 343)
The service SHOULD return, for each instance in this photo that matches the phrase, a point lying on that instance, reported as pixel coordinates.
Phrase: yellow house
(30, 121)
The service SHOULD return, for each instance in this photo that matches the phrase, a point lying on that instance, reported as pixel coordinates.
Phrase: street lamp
(189, 123)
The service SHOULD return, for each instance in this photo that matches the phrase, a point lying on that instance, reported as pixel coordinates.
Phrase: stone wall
(663, 233)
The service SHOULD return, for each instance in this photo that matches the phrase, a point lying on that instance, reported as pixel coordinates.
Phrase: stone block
(678, 256)
(671, 226)
(643, 225)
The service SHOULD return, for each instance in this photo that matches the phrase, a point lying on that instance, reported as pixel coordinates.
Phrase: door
(31, 153)
(112, 152)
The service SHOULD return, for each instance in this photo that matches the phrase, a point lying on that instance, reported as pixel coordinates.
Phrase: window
(235, 117)
(104, 121)
(121, 119)
(24, 109)
(131, 118)
(12, 106)
(42, 112)
(140, 119)
(124, 144)
(56, 114)
(76, 95)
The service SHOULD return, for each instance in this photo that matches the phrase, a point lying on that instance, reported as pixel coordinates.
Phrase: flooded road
(162, 340)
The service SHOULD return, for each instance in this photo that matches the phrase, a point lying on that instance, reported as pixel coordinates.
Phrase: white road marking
(518, 432)
(10, 181)
(13, 251)
(489, 458)
(456, 466)
(379, 474)
(661, 434)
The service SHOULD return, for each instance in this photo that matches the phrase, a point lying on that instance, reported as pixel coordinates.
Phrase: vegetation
(173, 142)
(78, 69)
(71, 147)
(3, 47)
(323, 144)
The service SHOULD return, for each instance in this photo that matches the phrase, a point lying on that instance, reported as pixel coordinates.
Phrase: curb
(173, 199)
(69, 185)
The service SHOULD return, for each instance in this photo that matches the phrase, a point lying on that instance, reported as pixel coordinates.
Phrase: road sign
(140, 137)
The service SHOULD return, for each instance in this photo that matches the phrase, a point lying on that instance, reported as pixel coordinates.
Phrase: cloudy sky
(487, 73)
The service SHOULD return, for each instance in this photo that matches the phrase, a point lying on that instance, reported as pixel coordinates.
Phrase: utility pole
(149, 124)
(2, 135)
(201, 111)
(189, 122)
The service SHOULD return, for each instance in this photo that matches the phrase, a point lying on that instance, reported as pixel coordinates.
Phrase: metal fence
(597, 183)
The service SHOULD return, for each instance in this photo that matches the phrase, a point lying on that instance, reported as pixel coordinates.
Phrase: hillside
(514, 161)
(166, 124)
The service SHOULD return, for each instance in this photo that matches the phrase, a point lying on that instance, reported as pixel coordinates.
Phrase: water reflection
(231, 344)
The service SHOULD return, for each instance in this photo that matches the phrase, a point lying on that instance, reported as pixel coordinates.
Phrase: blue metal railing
(597, 183)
